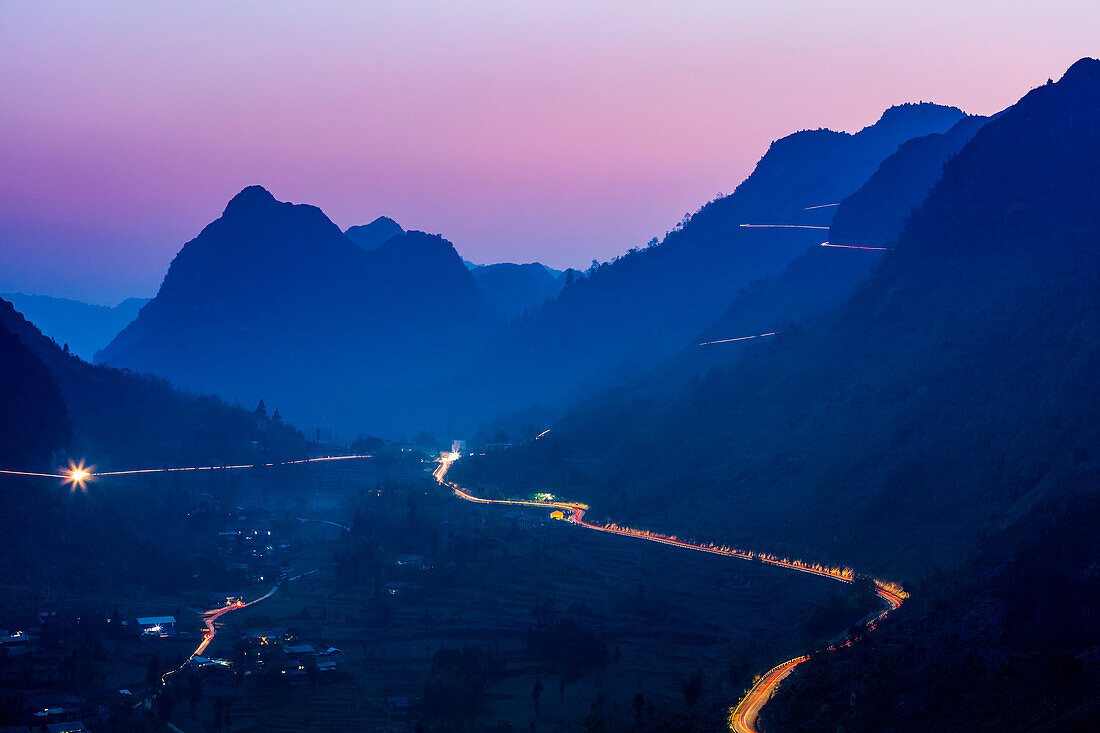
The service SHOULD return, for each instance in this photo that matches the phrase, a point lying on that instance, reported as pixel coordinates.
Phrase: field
(595, 620)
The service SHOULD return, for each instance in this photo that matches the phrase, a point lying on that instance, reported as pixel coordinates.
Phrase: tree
(153, 670)
(260, 413)
(692, 687)
(536, 694)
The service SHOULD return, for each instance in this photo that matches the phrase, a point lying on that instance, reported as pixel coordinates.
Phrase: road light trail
(739, 338)
(852, 246)
(742, 717)
(819, 206)
(79, 474)
(228, 468)
(39, 475)
(540, 435)
(209, 619)
(781, 226)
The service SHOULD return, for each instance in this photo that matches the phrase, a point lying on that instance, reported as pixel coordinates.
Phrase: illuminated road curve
(742, 717)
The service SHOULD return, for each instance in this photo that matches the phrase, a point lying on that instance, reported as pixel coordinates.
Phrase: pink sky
(551, 131)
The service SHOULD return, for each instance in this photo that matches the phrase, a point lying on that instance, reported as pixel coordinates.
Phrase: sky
(546, 130)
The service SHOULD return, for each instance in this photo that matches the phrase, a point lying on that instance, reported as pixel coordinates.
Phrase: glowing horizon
(549, 131)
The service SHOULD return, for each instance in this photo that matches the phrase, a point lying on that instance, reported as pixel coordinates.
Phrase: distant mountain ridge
(370, 236)
(272, 300)
(872, 216)
(514, 289)
(627, 316)
(84, 327)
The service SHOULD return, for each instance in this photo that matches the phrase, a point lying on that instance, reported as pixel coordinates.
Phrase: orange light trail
(852, 246)
(742, 717)
(739, 338)
(209, 617)
(781, 226)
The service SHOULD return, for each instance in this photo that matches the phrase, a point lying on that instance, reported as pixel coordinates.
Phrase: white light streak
(852, 246)
(781, 226)
(739, 338)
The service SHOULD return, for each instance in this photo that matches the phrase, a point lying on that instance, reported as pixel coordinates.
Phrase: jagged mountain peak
(369, 236)
(917, 113)
(1086, 69)
(250, 197)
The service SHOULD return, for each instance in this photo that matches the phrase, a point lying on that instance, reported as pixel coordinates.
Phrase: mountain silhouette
(34, 422)
(513, 289)
(823, 277)
(954, 391)
(627, 316)
(874, 215)
(273, 301)
(369, 236)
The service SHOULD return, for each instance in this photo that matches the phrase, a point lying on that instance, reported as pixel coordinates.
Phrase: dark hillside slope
(876, 213)
(1008, 641)
(953, 392)
(824, 277)
(121, 420)
(34, 423)
(83, 327)
(630, 315)
(513, 289)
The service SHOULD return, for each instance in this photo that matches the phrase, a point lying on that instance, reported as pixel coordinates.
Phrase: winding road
(742, 717)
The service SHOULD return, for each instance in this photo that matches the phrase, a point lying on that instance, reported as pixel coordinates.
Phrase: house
(396, 588)
(296, 675)
(74, 727)
(298, 651)
(212, 668)
(17, 643)
(157, 626)
(331, 654)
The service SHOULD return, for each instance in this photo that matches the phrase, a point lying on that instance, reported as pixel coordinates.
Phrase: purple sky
(553, 131)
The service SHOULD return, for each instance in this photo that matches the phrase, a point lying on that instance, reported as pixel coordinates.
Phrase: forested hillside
(630, 315)
(950, 395)
(123, 420)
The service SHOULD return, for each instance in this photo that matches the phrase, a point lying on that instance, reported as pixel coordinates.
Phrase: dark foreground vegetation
(1006, 641)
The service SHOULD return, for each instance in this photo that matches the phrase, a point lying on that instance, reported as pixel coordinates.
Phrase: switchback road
(742, 717)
